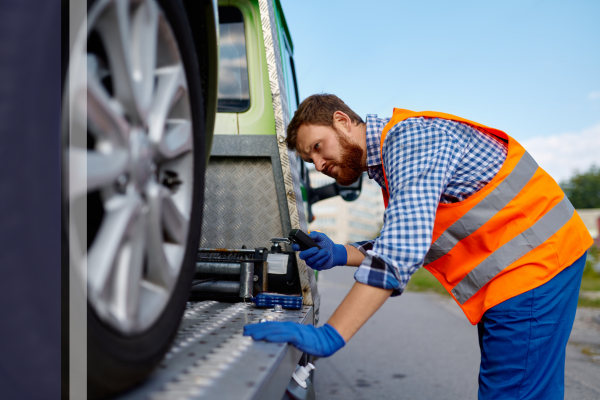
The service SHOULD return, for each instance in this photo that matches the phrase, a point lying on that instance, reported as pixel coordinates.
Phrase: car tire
(118, 358)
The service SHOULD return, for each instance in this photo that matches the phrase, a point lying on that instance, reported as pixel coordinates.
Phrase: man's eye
(317, 145)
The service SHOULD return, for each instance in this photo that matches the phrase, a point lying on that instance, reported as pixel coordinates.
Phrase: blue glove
(331, 254)
(320, 342)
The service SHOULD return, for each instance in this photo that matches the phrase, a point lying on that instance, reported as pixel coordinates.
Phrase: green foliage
(593, 257)
(583, 189)
(595, 303)
(423, 281)
(591, 278)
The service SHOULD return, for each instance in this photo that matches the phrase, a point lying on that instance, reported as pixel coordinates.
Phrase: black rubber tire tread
(116, 363)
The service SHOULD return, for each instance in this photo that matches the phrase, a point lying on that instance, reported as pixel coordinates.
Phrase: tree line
(583, 188)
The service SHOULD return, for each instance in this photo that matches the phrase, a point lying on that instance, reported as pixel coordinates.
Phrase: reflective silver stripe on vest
(514, 249)
(481, 213)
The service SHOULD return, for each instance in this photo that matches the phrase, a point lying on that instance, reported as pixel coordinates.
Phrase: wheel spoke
(115, 29)
(144, 38)
(103, 120)
(121, 215)
(152, 297)
(171, 87)
(160, 271)
(103, 169)
(176, 225)
(91, 170)
(177, 140)
(125, 302)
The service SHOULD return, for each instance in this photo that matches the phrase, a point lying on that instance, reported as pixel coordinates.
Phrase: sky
(528, 67)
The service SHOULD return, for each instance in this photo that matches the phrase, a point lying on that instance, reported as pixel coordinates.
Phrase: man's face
(332, 152)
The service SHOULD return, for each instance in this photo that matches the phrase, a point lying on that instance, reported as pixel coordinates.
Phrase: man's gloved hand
(331, 254)
(320, 342)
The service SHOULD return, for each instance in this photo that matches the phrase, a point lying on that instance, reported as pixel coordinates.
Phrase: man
(470, 204)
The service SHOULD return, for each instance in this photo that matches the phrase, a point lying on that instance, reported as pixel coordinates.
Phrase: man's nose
(319, 164)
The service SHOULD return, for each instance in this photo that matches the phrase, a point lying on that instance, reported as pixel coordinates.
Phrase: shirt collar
(374, 128)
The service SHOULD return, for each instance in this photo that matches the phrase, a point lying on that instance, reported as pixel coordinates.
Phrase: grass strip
(593, 303)
(424, 281)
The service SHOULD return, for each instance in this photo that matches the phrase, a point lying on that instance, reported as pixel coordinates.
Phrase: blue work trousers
(523, 340)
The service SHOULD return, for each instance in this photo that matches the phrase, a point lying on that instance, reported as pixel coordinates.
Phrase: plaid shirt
(427, 162)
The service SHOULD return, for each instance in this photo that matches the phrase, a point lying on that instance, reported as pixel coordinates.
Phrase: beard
(350, 166)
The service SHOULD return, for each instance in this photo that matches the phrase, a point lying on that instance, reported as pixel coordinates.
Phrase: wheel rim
(129, 93)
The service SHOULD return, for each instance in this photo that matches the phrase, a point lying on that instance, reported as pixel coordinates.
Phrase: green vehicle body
(259, 118)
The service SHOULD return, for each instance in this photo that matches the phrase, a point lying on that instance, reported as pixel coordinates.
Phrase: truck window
(234, 93)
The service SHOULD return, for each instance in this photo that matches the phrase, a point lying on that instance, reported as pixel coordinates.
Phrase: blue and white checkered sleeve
(420, 159)
(364, 246)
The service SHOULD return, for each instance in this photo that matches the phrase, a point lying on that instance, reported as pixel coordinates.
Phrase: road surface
(420, 346)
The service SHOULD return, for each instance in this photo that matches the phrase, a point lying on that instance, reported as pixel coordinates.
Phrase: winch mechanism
(234, 274)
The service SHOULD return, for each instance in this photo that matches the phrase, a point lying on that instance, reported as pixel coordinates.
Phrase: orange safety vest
(513, 235)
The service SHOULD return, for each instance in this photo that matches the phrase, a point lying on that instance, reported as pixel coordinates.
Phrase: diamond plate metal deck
(210, 359)
(240, 204)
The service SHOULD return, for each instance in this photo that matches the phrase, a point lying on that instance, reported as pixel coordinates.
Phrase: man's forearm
(355, 257)
(359, 305)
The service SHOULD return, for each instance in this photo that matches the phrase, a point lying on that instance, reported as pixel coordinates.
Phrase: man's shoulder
(419, 135)
(407, 123)
(376, 124)
(406, 127)
(427, 127)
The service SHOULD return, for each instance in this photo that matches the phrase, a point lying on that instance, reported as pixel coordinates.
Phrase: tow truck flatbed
(210, 359)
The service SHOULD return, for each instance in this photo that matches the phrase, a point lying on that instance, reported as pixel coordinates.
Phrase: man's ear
(343, 120)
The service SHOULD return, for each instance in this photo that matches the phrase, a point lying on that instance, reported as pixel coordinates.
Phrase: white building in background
(591, 219)
(348, 221)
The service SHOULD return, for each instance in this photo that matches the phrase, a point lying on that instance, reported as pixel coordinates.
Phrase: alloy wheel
(133, 167)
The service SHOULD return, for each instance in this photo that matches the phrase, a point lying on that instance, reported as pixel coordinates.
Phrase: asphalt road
(421, 346)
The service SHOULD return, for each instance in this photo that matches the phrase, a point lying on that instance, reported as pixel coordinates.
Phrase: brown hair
(317, 109)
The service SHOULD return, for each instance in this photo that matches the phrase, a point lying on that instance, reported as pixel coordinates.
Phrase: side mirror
(312, 195)
(348, 193)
